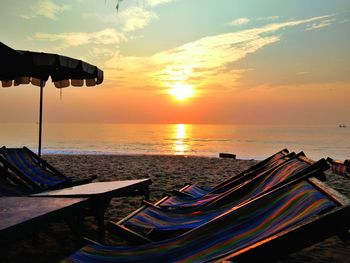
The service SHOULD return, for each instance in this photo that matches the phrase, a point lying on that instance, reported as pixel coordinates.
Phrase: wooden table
(100, 195)
(21, 215)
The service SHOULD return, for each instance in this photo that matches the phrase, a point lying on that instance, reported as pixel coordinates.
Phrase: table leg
(146, 192)
(4, 250)
(76, 224)
(100, 208)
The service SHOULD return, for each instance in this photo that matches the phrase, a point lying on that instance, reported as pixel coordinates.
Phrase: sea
(246, 141)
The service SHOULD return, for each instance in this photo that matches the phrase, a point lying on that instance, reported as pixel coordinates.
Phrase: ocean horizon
(246, 141)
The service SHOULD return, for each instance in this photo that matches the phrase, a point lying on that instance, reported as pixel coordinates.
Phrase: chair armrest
(146, 203)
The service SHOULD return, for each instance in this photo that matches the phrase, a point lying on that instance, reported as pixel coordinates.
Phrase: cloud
(136, 18)
(239, 21)
(132, 17)
(204, 63)
(157, 2)
(268, 18)
(107, 36)
(321, 24)
(303, 73)
(46, 8)
(98, 52)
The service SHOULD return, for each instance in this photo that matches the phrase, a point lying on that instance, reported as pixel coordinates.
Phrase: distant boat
(342, 126)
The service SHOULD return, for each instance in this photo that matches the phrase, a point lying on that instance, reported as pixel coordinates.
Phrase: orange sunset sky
(187, 61)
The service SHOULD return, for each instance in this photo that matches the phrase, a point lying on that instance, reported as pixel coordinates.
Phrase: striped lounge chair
(190, 192)
(24, 165)
(341, 168)
(157, 222)
(11, 188)
(197, 191)
(267, 228)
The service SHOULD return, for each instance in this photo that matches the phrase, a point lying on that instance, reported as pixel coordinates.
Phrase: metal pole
(40, 115)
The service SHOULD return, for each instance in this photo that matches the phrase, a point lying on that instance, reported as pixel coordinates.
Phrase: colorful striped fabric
(197, 191)
(31, 168)
(262, 183)
(341, 169)
(274, 160)
(226, 234)
(153, 218)
(267, 167)
(176, 219)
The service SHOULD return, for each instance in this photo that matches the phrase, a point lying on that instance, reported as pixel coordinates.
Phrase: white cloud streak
(239, 21)
(46, 8)
(321, 24)
(268, 18)
(107, 36)
(154, 3)
(134, 18)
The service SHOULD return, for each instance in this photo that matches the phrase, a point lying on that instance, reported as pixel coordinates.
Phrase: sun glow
(181, 91)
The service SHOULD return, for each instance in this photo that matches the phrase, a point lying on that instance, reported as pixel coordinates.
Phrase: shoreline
(147, 154)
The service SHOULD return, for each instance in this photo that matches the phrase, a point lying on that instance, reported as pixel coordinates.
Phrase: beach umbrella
(25, 67)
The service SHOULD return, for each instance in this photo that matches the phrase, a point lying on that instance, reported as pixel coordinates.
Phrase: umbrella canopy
(24, 67)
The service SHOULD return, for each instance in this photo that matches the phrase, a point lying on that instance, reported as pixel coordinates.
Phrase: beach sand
(167, 173)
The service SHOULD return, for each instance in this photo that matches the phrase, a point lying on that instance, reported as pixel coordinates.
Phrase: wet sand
(167, 173)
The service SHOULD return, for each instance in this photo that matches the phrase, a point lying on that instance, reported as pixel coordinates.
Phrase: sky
(187, 61)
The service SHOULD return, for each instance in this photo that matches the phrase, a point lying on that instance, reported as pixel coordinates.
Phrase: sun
(181, 91)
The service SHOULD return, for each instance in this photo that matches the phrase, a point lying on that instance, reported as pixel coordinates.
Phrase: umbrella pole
(40, 115)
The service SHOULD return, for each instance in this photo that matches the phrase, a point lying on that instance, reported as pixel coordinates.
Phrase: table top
(18, 211)
(97, 188)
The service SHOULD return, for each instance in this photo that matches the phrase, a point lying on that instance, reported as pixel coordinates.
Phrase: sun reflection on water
(181, 144)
